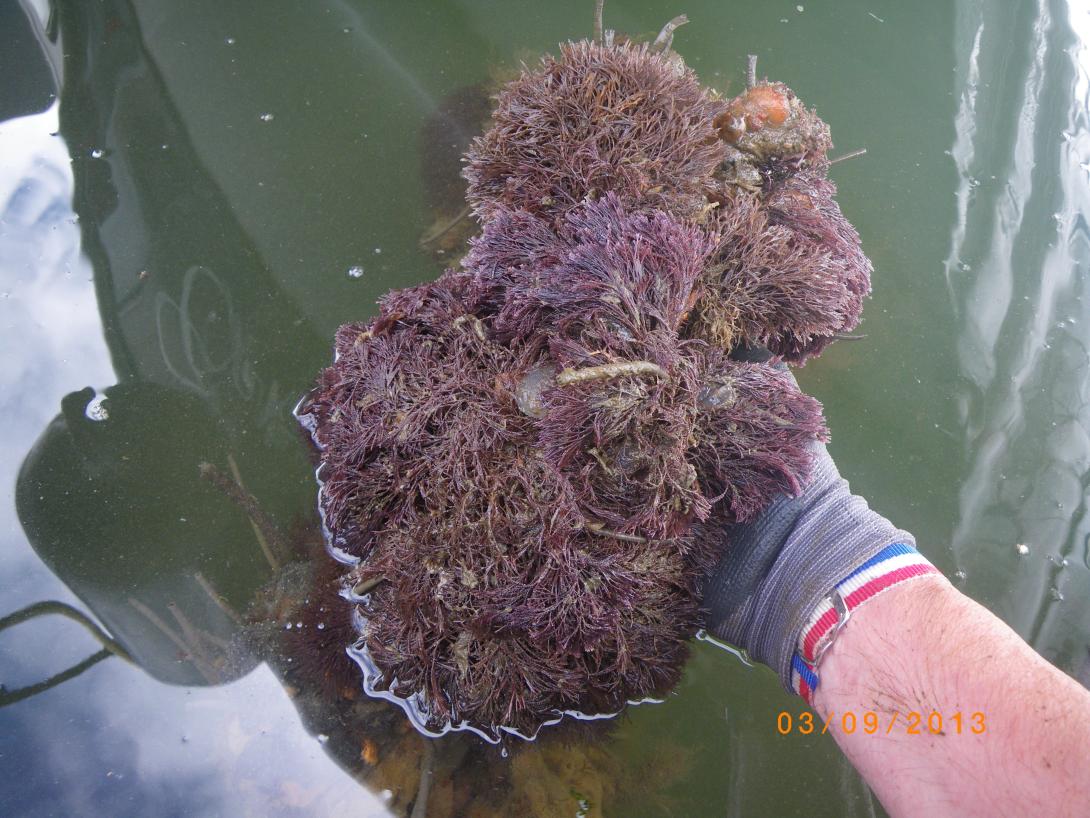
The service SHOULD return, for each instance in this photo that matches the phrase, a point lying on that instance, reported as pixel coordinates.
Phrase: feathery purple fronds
(599, 118)
(534, 457)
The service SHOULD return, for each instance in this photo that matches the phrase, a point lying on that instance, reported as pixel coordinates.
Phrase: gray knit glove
(780, 569)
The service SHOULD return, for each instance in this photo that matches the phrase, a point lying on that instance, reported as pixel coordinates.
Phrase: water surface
(194, 196)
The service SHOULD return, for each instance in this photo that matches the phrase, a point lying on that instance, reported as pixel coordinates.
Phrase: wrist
(892, 567)
(875, 642)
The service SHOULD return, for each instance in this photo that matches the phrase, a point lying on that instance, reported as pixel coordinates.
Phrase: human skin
(923, 647)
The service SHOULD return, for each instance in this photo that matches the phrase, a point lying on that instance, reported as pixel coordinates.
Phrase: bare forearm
(923, 648)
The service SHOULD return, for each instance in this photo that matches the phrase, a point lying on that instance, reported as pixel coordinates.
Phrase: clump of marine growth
(530, 458)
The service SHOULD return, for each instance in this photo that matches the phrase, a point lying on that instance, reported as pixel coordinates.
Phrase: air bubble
(1022, 549)
(97, 153)
(1057, 594)
(355, 271)
(266, 117)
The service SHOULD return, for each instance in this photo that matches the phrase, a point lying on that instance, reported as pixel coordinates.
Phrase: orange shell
(759, 106)
(369, 752)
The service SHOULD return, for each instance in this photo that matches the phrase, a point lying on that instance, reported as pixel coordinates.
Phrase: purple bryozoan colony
(529, 456)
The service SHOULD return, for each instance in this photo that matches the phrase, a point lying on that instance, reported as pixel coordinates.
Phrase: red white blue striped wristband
(891, 566)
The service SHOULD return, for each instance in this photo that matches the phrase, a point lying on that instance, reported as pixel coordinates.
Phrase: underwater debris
(445, 136)
(533, 458)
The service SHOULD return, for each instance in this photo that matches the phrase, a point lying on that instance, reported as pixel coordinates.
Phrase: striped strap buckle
(843, 614)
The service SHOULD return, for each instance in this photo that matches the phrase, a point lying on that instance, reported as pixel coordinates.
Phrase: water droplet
(959, 574)
(298, 624)
(1057, 594)
(321, 626)
(96, 410)
(378, 251)
(1022, 549)
(346, 30)
(230, 40)
(800, 9)
(287, 627)
(266, 117)
(355, 271)
(97, 153)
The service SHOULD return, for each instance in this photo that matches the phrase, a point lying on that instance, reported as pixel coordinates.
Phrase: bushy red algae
(518, 565)
(495, 596)
(633, 121)
(533, 458)
(625, 118)
(789, 273)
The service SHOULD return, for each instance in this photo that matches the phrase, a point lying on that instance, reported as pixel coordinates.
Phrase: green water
(177, 229)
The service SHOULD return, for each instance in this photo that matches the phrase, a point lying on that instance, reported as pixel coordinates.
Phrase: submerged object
(528, 463)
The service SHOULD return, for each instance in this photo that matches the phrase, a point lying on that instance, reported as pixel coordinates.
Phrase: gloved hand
(775, 592)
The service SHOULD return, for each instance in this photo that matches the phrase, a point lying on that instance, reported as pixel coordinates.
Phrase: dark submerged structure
(531, 460)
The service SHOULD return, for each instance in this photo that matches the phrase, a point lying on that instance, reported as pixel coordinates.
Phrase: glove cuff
(820, 539)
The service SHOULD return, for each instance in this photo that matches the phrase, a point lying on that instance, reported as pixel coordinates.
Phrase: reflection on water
(1017, 275)
(173, 265)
